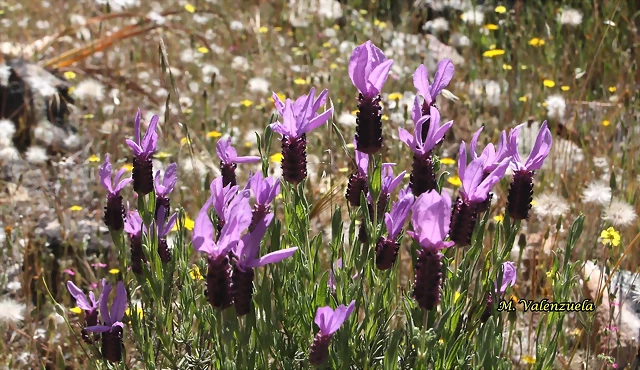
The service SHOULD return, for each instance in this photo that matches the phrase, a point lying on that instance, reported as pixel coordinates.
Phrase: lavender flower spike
(430, 216)
(89, 306)
(221, 196)
(297, 120)
(473, 192)
(265, 191)
(142, 151)
(229, 159)
(238, 213)
(358, 180)
(368, 70)
(164, 187)
(246, 253)
(164, 226)
(493, 159)
(422, 142)
(509, 273)
(134, 226)
(329, 321)
(387, 247)
(112, 325)
(521, 190)
(444, 74)
(389, 183)
(114, 210)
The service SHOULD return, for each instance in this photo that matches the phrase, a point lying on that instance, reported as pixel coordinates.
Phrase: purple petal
(406, 138)
(317, 121)
(79, 296)
(357, 67)
(168, 226)
(203, 230)
(119, 185)
(224, 150)
(170, 178)
(119, 305)
(323, 317)
(540, 149)
(444, 74)
(248, 159)
(103, 302)
(421, 83)
(137, 150)
(462, 161)
(416, 112)
(279, 104)
(98, 328)
(105, 174)
(289, 119)
(136, 129)
(473, 177)
(249, 248)
(430, 217)
(150, 140)
(274, 257)
(481, 192)
(509, 273)
(474, 143)
(513, 145)
(340, 315)
(320, 100)
(379, 76)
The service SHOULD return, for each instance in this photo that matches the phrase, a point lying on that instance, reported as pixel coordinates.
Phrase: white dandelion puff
(258, 85)
(41, 86)
(240, 63)
(347, 119)
(89, 89)
(556, 106)
(436, 25)
(44, 132)
(620, 213)
(597, 192)
(11, 311)
(9, 154)
(550, 205)
(570, 17)
(7, 128)
(5, 74)
(36, 155)
(473, 17)
(236, 25)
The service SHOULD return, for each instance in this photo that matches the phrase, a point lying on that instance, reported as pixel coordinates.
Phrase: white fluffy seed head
(556, 106)
(89, 89)
(36, 155)
(258, 85)
(11, 311)
(620, 213)
(570, 17)
(549, 205)
(7, 128)
(597, 192)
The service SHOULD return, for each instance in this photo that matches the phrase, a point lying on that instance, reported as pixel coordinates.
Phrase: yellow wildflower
(343, 169)
(507, 67)
(194, 273)
(263, 29)
(76, 310)
(350, 146)
(548, 83)
(69, 75)
(500, 9)
(491, 27)
(447, 161)
(75, 208)
(336, 27)
(536, 42)
(248, 144)
(326, 45)
(114, 271)
(454, 180)
(203, 50)
(493, 53)
(277, 29)
(162, 155)
(246, 103)
(456, 296)
(528, 360)
(610, 236)
(333, 66)
(612, 89)
(565, 88)
(213, 134)
(498, 218)
(139, 311)
(185, 141)
(94, 159)
(88, 116)
(300, 81)
(363, 11)
(395, 96)
(188, 224)
(127, 167)
(606, 123)
(522, 98)
(190, 8)
(276, 158)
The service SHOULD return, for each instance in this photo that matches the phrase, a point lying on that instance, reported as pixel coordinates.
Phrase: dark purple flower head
(165, 185)
(145, 148)
(430, 216)
(116, 185)
(509, 273)
(539, 152)
(329, 320)
(265, 189)
(475, 184)
(237, 219)
(421, 147)
(369, 69)
(248, 249)
(88, 305)
(302, 117)
(444, 74)
(395, 219)
(111, 318)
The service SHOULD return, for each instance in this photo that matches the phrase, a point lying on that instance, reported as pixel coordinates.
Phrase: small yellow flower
(276, 158)
(162, 155)
(139, 311)
(277, 29)
(71, 89)
(544, 104)
(69, 75)
(528, 360)
(523, 67)
(576, 332)
(281, 96)
(533, 202)
(75, 208)
(326, 45)
(343, 169)
(194, 273)
(289, 33)
(610, 236)
(498, 218)
(385, 117)
(491, 27)
(454, 180)
(213, 134)
(492, 46)
(522, 98)
(500, 9)
(188, 224)
(248, 144)
(350, 146)
(263, 29)
(406, 175)
(536, 42)
(548, 83)
(456, 296)
(279, 196)
(565, 88)
(333, 50)
(88, 116)
(382, 25)
(493, 53)
(606, 123)
(127, 167)
(300, 81)
(246, 103)
(336, 27)
(612, 89)
(395, 96)
(114, 271)
(447, 161)
(203, 50)
(94, 159)
(76, 310)
(190, 8)
(185, 141)
(441, 341)
(333, 66)
(363, 11)
(507, 67)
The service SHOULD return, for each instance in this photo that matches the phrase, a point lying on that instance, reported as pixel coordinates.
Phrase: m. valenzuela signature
(545, 305)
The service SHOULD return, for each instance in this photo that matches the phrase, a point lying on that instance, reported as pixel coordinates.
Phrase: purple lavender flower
(238, 213)
(228, 161)
(387, 247)
(493, 159)
(134, 226)
(422, 142)
(89, 306)
(444, 74)
(265, 191)
(389, 184)
(142, 151)
(473, 192)
(112, 325)
(521, 189)
(246, 253)
(358, 180)
(509, 273)
(221, 196)
(164, 226)
(430, 216)
(297, 120)
(368, 70)
(329, 321)
(114, 210)
(164, 187)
